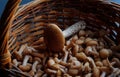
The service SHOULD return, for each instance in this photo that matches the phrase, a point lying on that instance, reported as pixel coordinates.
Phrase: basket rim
(25, 6)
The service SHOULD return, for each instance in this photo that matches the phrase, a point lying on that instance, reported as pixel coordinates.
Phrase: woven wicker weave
(30, 19)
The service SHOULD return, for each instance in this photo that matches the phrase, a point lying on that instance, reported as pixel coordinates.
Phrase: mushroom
(91, 48)
(96, 54)
(88, 75)
(44, 60)
(105, 62)
(55, 66)
(78, 76)
(64, 63)
(74, 63)
(38, 73)
(96, 71)
(74, 38)
(82, 33)
(75, 66)
(65, 56)
(89, 51)
(74, 29)
(117, 62)
(39, 66)
(63, 60)
(25, 66)
(86, 68)
(105, 69)
(115, 71)
(54, 38)
(104, 53)
(80, 41)
(101, 43)
(70, 44)
(103, 74)
(52, 75)
(50, 71)
(34, 66)
(81, 56)
(57, 60)
(18, 54)
(73, 71)
(59, 73)
(16, 63)
(50, 62)
(30, 48)
(109, 69)
(45, 75)
(67, 75)
(87, 39)
(99, 63)
(75, 49)
(91, 42)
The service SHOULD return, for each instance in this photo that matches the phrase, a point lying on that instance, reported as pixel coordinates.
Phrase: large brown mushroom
(54, 38)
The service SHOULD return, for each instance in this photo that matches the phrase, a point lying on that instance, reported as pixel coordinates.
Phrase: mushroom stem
(15, 62)
(74, 29)
(65, 57)
(34, 66)
(103, 74)
(39, 73)
(25, 66)
(90, 50)
(88, 75)
(22, 49)
(25, 60)
(18, 54)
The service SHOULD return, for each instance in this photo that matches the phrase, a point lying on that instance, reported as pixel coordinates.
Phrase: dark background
(3, 2)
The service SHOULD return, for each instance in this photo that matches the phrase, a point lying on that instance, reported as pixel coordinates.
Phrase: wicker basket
(30, 19)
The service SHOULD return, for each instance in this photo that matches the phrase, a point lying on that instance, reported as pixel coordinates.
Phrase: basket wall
(31, 18)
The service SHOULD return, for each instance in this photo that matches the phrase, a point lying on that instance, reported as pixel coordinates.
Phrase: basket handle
(5, 23)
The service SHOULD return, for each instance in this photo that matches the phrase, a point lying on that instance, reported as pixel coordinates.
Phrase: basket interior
(31, 18)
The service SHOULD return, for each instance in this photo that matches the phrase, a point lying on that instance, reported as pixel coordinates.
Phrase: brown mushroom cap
(54, 37)
(25, 68)
(104, 53)
(81, 56)
(92, 43)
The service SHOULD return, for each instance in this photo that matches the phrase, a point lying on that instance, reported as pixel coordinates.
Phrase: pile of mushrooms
(83, 55)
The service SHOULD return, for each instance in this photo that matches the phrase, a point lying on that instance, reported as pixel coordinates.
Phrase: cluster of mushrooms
(83, 55)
